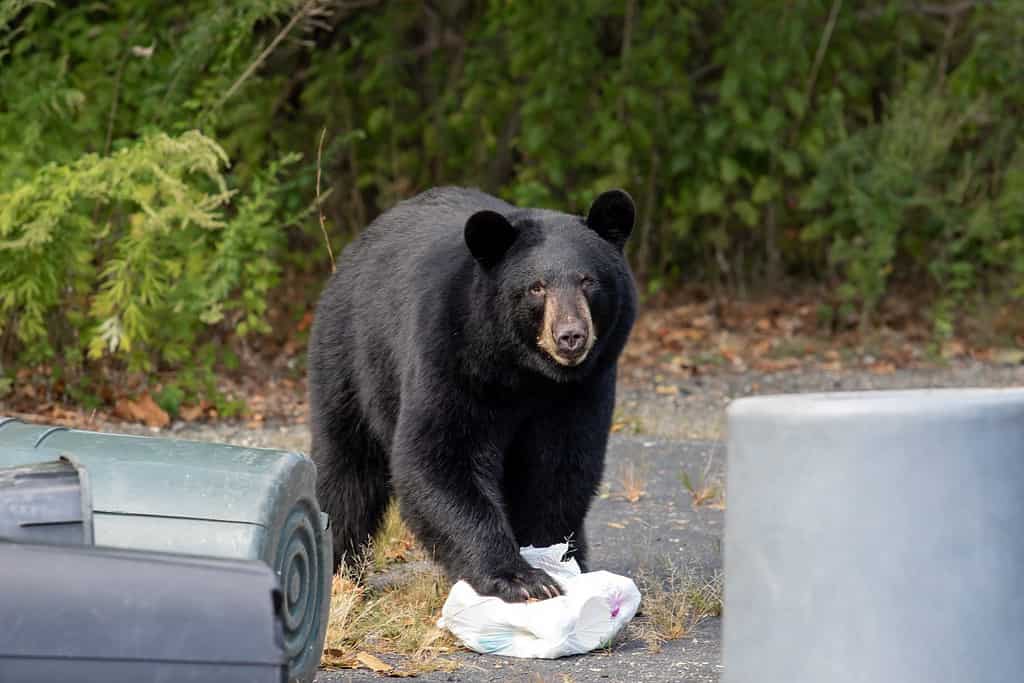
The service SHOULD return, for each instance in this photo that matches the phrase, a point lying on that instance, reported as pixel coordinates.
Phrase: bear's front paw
(518, 585)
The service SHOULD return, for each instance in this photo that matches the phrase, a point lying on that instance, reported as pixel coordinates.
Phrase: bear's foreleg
(448, 483)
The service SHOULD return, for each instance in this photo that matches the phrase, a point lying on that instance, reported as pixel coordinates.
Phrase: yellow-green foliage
(132, 252)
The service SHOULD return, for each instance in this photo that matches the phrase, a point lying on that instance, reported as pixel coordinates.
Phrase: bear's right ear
(488, 236)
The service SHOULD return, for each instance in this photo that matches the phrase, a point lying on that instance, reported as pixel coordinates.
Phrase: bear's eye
(537, 288)
(586, 281)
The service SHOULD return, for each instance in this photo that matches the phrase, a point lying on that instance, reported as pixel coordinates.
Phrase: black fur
(426, 381)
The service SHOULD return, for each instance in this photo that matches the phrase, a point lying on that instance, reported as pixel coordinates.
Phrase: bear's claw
(519, 585)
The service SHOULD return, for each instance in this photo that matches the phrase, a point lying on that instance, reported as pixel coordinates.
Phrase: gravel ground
(697, 411)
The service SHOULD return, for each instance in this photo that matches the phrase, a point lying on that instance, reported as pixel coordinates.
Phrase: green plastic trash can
(203, 499)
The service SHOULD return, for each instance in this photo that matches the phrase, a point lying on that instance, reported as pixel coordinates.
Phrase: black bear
(463, 357)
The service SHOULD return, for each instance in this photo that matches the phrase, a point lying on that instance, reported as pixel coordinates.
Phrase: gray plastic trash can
(93, 615)
(875, 536)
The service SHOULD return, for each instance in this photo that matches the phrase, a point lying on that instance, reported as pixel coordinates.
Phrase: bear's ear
(612, 215)
(488, 236)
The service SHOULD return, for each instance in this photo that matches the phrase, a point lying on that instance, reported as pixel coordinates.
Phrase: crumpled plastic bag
(595, 606)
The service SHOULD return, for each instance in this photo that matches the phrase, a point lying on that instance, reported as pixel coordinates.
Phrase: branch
(113, 105)
(932, 9)
(819, 57)
(949, 10)
(319, 205)
(256, 63)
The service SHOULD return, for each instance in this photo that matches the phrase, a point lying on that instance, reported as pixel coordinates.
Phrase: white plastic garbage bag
(594, 607)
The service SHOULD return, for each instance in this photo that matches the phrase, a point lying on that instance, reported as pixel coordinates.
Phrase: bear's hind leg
(352, 486)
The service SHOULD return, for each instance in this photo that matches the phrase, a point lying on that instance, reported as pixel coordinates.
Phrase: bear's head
(561, 283)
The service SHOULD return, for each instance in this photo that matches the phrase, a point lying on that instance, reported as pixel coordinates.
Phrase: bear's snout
(570, 338)
(567, 333)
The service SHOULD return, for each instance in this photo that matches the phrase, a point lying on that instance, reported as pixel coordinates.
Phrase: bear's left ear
(489, 235)
(612, 215)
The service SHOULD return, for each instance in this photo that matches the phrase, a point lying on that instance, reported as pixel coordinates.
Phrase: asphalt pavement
(659, 531)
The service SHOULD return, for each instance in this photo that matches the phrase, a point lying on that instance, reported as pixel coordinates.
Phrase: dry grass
(627, 424)
(632, 481)
(394, 543)
(674, 605)
(704, 489)
(394, 617)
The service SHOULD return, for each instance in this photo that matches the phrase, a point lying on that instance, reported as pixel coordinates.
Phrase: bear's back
(419, 237)
(436, 214)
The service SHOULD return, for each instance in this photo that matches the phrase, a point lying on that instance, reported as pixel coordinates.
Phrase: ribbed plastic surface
(875, 536)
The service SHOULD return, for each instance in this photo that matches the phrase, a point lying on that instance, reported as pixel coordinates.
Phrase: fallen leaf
(667, 390)
(306, 322)
(616, 525)
(373, 663)
(634, 495)
(776, 365)
(882, 368)
(952, 349)
(143, 410)
(762, 347)
(190, 413)
(681, 335)
(733, 357)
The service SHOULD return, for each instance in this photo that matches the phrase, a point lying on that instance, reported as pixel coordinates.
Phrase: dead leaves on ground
(775, 334)
(693, 336)
(38, 394)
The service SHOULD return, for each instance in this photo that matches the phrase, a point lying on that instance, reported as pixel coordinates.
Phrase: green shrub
(856, 144)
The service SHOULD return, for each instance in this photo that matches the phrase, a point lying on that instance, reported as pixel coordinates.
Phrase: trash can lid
(128, 605)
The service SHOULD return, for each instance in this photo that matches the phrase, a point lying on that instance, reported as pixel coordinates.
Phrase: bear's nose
(570, 338)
